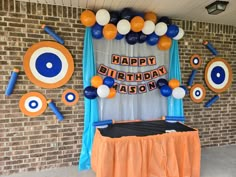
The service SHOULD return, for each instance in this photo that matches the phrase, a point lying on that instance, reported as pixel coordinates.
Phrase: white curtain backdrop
(145, 106)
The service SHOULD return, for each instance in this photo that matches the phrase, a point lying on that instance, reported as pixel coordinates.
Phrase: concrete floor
(216, 162)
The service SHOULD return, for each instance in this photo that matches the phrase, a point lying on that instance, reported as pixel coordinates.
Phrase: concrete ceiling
(178, 9)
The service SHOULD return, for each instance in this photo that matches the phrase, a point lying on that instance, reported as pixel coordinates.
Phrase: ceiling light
(216, 7)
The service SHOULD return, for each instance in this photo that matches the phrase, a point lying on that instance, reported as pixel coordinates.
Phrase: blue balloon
(152, 39)
(114, 17)
(172, 31)
(97, 31)
(161, 82)
(166, 91)
(127, 13)
(141, 14)
(119, 36)
(185, 89)
(108, 81)
(131, 38)
(165, 19)
(90, 92)
(141, 37)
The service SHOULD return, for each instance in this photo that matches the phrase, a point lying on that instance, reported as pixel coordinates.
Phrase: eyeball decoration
(70, 97)
(195, 61)
(48, 64)
(33, 104)
(218, 75)
(197, 93)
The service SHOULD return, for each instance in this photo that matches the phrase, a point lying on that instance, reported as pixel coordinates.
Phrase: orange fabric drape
(167, 155)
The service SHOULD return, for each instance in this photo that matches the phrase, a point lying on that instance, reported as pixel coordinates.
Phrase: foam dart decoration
(191, 78)
(173, 118)
(103, 122)
(12, 82)
(209, 46)
(211, 101)
(55, 110)
(53, 34)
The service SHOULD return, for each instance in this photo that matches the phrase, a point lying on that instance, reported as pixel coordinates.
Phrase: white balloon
(123, 26)
(148, 28)
(179, 35)
(102, 17)
(103, 91)
(178, 93)
(161, 29)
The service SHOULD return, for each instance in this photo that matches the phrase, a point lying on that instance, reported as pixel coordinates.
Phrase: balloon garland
(171, 88)
(100, 87)
(136, 27)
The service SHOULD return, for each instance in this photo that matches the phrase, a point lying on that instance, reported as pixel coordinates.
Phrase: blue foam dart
(12, 82)
(191, 78)
(103, 122)
(53, 34)
(174, 118)
(211, 101)
(55, 110)
(210, 47)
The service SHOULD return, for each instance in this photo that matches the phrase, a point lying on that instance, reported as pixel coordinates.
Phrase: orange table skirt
(166, 155)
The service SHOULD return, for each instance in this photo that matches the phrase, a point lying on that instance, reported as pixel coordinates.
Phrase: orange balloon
(96, 81)
(173, 83)
(88, 18)
(137, 24)
(109, 31)
(150, 16)
(112, 93)
(164, 43)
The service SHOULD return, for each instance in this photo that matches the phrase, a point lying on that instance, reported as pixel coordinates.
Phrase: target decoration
(195, 61)
(33, 104)
(197, 93)
(70, 97)
(48, 64)
(218, 75)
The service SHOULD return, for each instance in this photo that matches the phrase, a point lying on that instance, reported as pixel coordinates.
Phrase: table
(144, 149)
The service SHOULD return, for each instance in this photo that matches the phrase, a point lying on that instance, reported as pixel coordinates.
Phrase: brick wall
(217, 124)
(31, 144)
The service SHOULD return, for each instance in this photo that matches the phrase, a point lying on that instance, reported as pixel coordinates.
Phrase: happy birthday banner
(133, 61)
(138, 77)
(131, 77)
(134, 89)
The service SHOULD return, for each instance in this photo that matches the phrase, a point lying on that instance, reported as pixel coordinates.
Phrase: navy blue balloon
(141, 14)
(127, 13)
(161, 82)
(152, 39)
(172, 31)
(119, 36)
(166, 91)
(108, 81)
(114, 17)
(90, 92)
(131, 38)
(165, 19)
(141, 37)
(97, 31)
(185, 89)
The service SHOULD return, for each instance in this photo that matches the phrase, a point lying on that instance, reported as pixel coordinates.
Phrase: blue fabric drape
(90, 106)
(175, 106)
